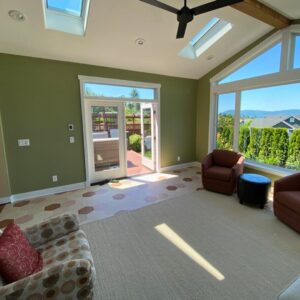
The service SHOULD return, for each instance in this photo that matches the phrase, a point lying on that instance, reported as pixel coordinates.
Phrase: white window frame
(135, 84)
(58, 20)
(286, 75)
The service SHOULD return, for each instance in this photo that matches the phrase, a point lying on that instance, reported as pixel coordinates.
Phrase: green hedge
(135, 142)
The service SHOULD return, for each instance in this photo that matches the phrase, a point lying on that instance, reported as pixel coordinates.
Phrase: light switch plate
(72, 139)
(23, 142)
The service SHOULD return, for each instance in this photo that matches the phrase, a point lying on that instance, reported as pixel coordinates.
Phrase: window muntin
(73, 7)
(225, 121)
(116, 91)
(266, 63)
(296, 63)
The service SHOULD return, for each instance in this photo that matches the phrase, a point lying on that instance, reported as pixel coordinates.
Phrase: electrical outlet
(178, 158)
(54, 178)
(71, 127)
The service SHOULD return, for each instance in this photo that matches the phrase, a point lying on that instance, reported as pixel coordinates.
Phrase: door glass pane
(105, 137)
(147, 133)
(225, 126)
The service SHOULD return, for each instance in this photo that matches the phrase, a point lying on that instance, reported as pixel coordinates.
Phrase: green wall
(38, 98)
(203, 100)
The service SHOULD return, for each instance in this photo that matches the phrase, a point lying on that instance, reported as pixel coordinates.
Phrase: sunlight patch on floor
(182, 245)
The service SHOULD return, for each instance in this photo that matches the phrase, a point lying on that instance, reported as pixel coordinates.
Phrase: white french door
(148, 136)
(105, 139)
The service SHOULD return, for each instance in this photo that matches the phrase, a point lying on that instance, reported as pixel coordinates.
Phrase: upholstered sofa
(68, 269)
(287, 200)
(220, 170)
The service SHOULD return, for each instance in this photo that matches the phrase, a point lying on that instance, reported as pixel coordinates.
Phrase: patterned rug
(99, 202)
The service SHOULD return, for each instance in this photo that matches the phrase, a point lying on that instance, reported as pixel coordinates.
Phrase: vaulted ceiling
(114, 25)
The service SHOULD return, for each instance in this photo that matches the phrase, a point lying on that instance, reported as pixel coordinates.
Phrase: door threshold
(105, 181)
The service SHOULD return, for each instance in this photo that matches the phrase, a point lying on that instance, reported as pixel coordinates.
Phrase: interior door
(106, 142)
(147, 132)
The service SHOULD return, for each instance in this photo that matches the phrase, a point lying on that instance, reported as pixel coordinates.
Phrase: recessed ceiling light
(140, 42)
(17, 15)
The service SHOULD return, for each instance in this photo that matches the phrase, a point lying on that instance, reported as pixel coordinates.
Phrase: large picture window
(256, 111)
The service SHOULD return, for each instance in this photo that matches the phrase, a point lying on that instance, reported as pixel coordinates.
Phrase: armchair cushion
(219, 173)
(18, 259)
(51, 229)
(289, 199)
(225, 158)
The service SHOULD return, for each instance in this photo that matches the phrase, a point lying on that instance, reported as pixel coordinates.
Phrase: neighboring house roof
(276, 121)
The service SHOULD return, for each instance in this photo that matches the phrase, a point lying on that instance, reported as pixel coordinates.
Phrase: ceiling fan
(186, 15)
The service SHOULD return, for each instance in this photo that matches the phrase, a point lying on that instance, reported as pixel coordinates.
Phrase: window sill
(269, 169)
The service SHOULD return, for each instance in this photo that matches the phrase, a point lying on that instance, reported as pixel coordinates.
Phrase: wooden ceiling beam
(263, 13)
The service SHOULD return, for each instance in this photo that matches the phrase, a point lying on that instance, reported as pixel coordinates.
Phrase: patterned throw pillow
(18, 259)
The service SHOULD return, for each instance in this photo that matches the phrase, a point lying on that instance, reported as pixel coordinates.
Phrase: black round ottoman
(253, 188)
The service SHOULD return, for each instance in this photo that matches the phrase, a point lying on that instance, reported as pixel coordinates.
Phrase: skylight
(73, 7)
(68, 16)
(214, 30)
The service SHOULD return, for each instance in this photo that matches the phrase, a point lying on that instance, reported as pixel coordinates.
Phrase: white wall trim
(4, 200)
(104, 80)
(180, 166)
(269, 169)
(47, 192)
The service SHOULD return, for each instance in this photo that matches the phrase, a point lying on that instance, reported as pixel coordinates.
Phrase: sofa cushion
(71, 246)
(290, 199)
(219, 173)
(225, 158)
(18, 259)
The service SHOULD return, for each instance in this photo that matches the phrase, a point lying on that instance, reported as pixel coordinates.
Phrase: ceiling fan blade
(213, 5)
(181, 30)
(161, 5)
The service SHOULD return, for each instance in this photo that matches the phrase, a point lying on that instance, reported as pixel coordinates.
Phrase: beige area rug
(255, 253)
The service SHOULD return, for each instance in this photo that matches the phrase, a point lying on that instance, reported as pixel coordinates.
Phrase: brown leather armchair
(220, 170)
(287, 200)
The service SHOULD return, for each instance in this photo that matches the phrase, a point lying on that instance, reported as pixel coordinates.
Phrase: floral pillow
(18, 259)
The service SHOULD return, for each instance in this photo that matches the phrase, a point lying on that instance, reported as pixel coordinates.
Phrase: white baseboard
(46, 192)
(181, 166)
(4, 200)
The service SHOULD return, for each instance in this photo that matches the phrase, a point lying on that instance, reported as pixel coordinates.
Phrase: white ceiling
(114, 25)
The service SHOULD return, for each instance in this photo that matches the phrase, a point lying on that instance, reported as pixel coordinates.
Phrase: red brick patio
(134, 164)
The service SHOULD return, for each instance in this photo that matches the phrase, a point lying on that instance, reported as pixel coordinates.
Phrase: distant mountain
(263, 113)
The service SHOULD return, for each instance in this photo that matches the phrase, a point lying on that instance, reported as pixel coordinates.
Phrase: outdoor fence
(108, 121)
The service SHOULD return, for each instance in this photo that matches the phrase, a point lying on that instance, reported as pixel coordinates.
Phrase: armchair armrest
(238, 168)
(206, 162)
(51, 229)
(68, 279)
(288, 183)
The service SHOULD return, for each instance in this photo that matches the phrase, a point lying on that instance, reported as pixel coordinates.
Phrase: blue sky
(117, 91)
(73, 6)
(269, 99)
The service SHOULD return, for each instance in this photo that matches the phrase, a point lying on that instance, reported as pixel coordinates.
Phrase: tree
(254, 144)
(244, 139)
(265, 145)
(225, 131)
(134, 93)
(279, 148)
(293, 161)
